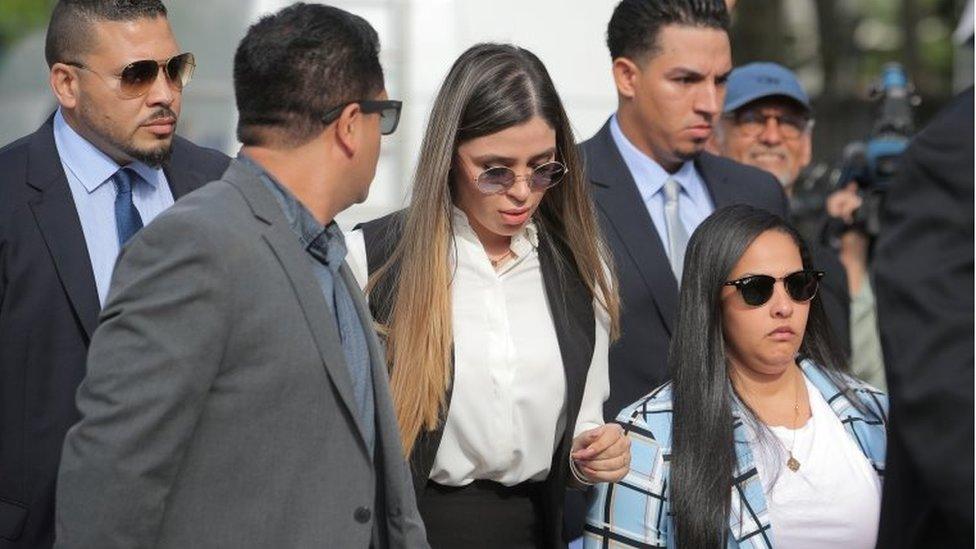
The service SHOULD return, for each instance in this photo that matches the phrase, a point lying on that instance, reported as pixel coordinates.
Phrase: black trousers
(483, 514)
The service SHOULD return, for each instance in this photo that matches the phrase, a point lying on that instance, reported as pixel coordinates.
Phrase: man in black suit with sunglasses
(71, 194)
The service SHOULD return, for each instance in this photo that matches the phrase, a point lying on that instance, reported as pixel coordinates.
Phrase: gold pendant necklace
(792, 462)
(497, 261)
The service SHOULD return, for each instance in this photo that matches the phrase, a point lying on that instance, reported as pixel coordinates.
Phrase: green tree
(20, 17)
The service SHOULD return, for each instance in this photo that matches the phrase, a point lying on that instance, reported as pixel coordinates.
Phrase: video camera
(873, 163)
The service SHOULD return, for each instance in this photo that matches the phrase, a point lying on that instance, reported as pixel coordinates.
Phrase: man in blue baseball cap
(766, 121)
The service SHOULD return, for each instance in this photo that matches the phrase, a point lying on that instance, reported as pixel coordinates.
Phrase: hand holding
(602, 454)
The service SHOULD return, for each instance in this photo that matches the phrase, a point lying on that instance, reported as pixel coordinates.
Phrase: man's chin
(152, 156)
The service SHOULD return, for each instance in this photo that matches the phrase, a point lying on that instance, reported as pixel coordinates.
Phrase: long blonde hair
(490, 87)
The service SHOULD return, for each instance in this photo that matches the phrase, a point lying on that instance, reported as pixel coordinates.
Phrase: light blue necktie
(677, 234)
(127, 218)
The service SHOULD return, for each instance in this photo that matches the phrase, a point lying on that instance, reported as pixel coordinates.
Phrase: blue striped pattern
(635, 512)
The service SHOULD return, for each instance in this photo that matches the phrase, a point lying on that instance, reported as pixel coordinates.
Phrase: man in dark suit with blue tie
(652, 182)
(105, 164)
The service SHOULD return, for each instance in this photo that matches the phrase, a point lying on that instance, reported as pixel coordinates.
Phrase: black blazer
(648, 288)
(572, 311)
(48, 310)
(923, 272)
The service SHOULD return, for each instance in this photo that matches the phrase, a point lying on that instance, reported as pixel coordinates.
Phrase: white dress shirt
(508, 405)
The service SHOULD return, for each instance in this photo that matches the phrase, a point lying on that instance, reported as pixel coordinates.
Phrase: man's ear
(348, 128)
(64, 84)
(625, 75)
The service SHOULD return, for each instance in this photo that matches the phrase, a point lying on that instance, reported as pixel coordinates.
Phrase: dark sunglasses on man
(756, 290)
(136, 78)
(388, 110)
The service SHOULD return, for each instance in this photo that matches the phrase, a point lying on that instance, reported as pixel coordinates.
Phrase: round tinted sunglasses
(499, 179)
(136, 78)
(757, 289)
(388, 110)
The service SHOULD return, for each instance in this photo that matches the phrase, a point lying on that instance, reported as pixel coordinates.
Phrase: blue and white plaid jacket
(635, 512)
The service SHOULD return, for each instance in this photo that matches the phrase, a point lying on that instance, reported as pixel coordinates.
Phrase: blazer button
(362, 515)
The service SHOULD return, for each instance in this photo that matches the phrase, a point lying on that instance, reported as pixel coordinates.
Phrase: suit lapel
(722, 193)
(284, 244)
(57, 219)
(620, 202)
(180, 175)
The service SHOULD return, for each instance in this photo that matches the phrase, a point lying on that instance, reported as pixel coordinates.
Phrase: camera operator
(768, 123)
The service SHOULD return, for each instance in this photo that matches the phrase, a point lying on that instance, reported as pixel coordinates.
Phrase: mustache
(163, 112)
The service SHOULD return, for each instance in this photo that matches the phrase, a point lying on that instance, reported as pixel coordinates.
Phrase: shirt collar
(324, 242)
(87, 163)
(648, 174)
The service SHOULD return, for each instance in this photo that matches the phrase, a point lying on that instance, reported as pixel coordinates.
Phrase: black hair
(703, 454)
(297, 64)
(635, 24)
(69, 33)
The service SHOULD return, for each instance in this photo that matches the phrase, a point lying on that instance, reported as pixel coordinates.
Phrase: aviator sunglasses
(137, 77)
(388, 110)
(499, 179)
(757, 289)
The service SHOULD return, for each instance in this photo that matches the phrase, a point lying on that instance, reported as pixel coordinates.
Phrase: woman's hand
(602, 454)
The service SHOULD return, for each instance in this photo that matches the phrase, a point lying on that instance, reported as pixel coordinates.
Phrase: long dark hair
(703, 454)
(491, 87)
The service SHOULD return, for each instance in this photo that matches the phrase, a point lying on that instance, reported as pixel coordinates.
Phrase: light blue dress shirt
(694, 202)
(89, 173)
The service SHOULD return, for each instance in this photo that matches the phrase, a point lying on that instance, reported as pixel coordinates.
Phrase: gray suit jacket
(216, 411)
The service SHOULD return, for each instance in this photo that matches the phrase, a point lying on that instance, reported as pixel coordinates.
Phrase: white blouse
(507, 409)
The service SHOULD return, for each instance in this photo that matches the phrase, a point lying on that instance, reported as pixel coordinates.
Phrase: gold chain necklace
(792, 462)
(497, 261)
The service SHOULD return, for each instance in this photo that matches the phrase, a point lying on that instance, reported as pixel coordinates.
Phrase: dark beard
(152, 158)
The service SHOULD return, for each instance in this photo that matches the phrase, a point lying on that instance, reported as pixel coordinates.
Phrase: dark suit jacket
(48, 310)
(648, 288)
(923, 271)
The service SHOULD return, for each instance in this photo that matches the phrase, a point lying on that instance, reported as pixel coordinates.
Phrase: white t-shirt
(833, 499)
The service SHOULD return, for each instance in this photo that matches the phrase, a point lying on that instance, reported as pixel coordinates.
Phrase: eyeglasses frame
(368, 106)
(740, 282)
(160, 66)
(526, 177)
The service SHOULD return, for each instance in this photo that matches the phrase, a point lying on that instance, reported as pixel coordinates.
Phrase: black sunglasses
(499, 179)
(137, 77)
(757, 289)
(388, 110)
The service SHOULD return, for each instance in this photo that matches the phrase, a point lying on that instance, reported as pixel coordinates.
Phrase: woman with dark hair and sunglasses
(759, 440)
(495, 297)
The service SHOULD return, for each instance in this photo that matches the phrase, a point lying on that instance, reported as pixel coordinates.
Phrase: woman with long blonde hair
(498, 303)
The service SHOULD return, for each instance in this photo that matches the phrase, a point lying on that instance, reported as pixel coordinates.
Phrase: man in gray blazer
(236, 395)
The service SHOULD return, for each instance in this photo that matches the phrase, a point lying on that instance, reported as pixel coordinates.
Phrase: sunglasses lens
(803, 285)
(494, 180)
(179, 69)
(547, 175)
(389, 118)
(137, 77)
(756, 290)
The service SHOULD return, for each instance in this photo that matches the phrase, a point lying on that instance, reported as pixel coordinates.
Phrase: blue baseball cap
(758, 80)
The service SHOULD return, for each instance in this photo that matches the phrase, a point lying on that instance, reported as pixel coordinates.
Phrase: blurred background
(837, 47)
